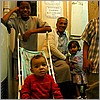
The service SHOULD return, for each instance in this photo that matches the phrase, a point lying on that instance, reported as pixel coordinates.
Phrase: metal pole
(50, 57)
(19, 86)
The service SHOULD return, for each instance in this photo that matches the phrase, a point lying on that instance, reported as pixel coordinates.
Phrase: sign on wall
(51, 11)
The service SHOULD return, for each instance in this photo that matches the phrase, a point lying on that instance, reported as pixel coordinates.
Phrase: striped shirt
(91, 36)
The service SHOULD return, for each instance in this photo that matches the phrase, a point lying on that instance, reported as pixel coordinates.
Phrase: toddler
(40, 85)
(76, 62)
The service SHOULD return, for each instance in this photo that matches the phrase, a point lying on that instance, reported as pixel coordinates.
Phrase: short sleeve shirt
(22, 26)
(91, 36)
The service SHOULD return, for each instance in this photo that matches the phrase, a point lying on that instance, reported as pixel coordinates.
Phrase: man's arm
(38, 30)
(6, 17)
(86, 62)
(53, 47)
(57, 53)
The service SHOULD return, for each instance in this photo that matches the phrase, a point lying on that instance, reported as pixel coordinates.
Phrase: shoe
(79, 97)
(85, 97)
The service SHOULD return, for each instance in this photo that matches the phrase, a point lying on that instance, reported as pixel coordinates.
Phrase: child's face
(39, 67)
(73, 49)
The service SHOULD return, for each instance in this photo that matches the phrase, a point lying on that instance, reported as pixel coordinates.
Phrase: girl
(76, 62)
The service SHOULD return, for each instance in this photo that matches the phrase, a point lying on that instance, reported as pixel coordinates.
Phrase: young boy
(40, 85)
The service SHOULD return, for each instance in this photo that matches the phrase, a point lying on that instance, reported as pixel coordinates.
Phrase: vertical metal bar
(19, 85)
(50, 57)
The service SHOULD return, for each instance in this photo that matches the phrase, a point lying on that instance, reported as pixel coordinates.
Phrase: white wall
(79, 17)
(51, 10)
(4, 52)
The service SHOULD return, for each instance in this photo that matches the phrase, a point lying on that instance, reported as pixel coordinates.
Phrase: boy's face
(73, 49)
(39, 67)
(61, 25)
(24, 9)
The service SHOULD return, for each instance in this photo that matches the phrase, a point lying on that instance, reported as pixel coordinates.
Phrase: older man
(58, 40)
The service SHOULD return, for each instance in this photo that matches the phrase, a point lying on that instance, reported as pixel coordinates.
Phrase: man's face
(24, 9)
(61, 25)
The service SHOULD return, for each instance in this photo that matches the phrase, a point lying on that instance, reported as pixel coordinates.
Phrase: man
(25, 24)
(58, 40)
(90, 37)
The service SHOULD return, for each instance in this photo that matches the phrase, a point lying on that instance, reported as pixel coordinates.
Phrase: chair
(24, 57)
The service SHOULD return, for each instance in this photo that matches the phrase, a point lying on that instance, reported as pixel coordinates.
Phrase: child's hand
(73, 61)
(72, 66)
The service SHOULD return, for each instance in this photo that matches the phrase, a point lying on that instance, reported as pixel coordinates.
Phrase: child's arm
(56, 90)
(25, 91)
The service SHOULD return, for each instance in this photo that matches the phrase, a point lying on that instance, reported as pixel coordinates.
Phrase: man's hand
(48, 28)
(87, 65)
(26, 35)
(16, 8)
(67, 61)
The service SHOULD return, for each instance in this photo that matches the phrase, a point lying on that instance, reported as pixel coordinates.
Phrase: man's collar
(22, 19)
(64, 33)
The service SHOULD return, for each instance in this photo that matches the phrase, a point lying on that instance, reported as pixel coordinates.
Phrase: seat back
(24, 65)
(25, 58)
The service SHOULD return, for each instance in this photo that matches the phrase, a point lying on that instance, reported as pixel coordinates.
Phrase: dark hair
(18, 2)
(62, 18)
(74, 42)
(36, 57)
